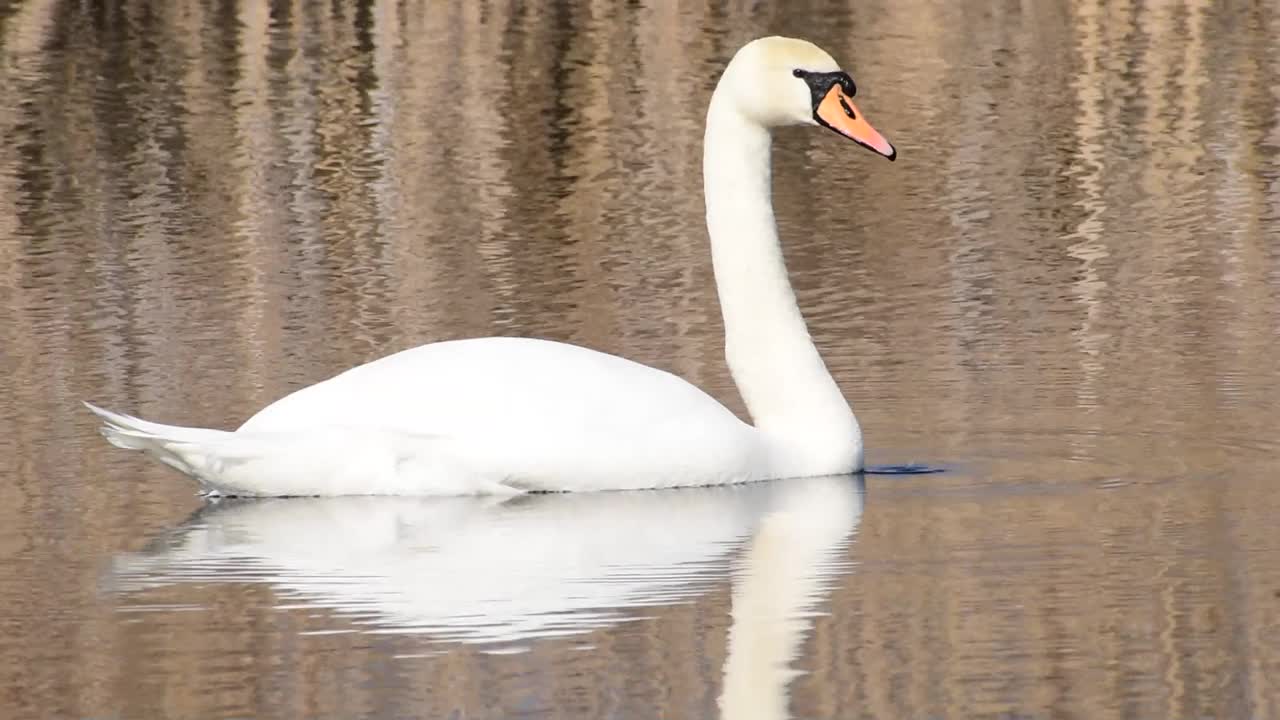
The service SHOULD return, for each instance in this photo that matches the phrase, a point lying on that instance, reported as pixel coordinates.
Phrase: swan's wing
(542, 415)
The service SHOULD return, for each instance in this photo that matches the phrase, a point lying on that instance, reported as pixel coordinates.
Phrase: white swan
(506, 415)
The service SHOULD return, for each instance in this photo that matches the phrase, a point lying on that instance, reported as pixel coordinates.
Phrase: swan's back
(543, 415)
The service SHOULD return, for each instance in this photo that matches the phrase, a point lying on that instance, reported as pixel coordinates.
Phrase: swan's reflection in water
(505, 570)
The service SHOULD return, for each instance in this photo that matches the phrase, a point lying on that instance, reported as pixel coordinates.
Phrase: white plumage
(489, 415)
(510, 415)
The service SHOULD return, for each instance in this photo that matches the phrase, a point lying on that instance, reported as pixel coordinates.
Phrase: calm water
(1067, 291)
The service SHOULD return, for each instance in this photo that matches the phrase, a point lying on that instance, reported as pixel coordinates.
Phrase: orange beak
(838, 112)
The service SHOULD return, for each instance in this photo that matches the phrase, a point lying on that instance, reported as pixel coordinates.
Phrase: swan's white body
(505, 415)
(490, 415)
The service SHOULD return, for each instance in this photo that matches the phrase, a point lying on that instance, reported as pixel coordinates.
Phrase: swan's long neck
(790, 394)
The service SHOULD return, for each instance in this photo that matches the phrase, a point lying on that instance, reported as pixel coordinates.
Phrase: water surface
(1066, 290)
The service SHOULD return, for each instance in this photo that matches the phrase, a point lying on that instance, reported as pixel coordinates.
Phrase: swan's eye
(799, 73)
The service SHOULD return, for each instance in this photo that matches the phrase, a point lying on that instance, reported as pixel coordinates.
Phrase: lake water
(1066, 292)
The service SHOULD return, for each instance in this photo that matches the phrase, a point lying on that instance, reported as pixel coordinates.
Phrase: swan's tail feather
(174, 445)
(329, 460)
(114, 422)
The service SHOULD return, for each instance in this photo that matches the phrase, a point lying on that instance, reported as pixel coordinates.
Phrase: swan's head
(777, 81)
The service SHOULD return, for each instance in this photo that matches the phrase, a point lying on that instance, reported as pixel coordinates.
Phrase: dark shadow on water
(903, 469)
